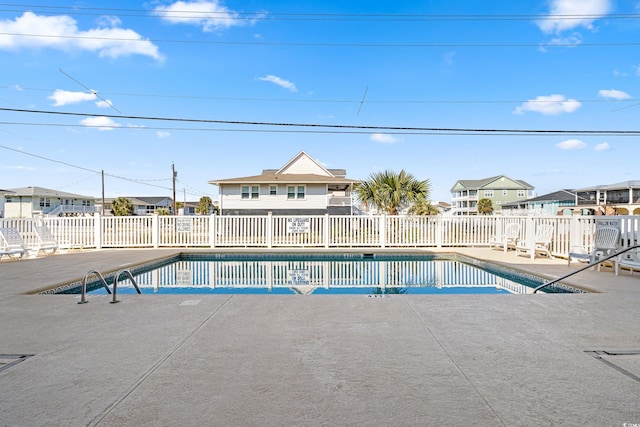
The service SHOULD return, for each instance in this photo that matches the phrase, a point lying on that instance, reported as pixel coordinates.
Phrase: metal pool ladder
(83, 298)
(593, 264)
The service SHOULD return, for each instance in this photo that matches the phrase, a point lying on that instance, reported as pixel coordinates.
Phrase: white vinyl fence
(321, 231)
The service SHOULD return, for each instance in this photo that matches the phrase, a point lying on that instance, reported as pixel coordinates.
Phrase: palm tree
(485, 207)
(390, 192)
(122, 207)
(204, 205)
(423, 208)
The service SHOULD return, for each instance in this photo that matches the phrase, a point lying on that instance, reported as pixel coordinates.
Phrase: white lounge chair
(11, 243)
(46, 242)
(509, 239)
(629, 260)
(606, 241)
(540, 244)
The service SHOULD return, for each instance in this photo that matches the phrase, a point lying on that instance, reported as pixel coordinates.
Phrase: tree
(122, 207)
(163, 211)
(485, 207)
(391, 192)
(423, 208)
(204, 206)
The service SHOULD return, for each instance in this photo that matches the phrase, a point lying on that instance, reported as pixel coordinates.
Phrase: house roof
(317, 174)
(46, 192)
(137, 200)
(557, 196)
(285, 178)
(625, 185)
(474, 184)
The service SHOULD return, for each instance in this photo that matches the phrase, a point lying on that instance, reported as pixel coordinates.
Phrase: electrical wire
(337, 128)
(318, 44)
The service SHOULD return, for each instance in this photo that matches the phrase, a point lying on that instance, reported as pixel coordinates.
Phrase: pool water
(336, 274)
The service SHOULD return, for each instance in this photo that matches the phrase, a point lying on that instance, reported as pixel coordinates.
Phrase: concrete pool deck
(251, 360)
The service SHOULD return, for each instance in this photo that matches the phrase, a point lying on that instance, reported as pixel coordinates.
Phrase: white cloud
(104, 103)
(102, 123)
(602, 147)
(549, 105)
(62, 33)
(571, 144)
(570, 41)
(280, 82)
(568, 14)
(613, 94)
(63, 97)
(384, 138)
(163, 135)
(210, 15)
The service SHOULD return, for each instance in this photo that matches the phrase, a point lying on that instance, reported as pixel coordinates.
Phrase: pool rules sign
(298, 225)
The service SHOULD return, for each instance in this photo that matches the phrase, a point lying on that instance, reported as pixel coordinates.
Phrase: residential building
(561, 202)
(29, 202)
(302, 186)
(142, 205)
(2, 194)
(622, 198)
(500, 189)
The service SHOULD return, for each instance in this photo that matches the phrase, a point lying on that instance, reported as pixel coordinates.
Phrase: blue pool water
(321, 275)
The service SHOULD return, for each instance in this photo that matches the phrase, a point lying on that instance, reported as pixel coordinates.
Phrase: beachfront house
(561, 202)
(622, 198)
(142, 205)
(29, 202)
(302, 186)
(500, 189)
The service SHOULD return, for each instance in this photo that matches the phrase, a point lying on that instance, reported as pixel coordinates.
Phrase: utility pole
(174, 174)
(102, 192)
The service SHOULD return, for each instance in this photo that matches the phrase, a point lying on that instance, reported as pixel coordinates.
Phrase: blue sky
(561, 65)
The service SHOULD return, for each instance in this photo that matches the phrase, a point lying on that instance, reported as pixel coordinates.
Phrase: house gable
(302, 163)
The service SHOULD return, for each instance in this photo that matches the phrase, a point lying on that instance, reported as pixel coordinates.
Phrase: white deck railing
(322, 231)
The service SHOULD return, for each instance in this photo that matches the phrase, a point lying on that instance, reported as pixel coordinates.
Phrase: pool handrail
(83, 298)
(115, 283)
(592, 264)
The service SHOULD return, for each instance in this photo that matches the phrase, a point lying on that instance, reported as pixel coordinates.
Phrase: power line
(137, 181)
(341, 44)
(338, 128)
(286, 16)
(335, 101)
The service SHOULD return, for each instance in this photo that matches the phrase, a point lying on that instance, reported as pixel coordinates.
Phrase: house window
(245, 192)
(520, 193)
(8, 199)
(295, 192)
(45, 202)
(488, 193)
(504, 192)
(273, 190)
(255, 191)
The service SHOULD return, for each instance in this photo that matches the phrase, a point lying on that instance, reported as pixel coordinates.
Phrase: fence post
(439, 231)
(155, 230)
(212, 230)
(325, 228)
(270, 230)
(97, 230)
(530, 235)
(383, 230)
(575, 234)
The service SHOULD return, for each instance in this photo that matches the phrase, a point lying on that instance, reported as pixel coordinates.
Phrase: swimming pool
(379, 274)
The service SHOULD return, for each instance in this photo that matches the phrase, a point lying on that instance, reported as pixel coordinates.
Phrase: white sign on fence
(183, 225)
(184, 278)
(298, 225)
(298, 277)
